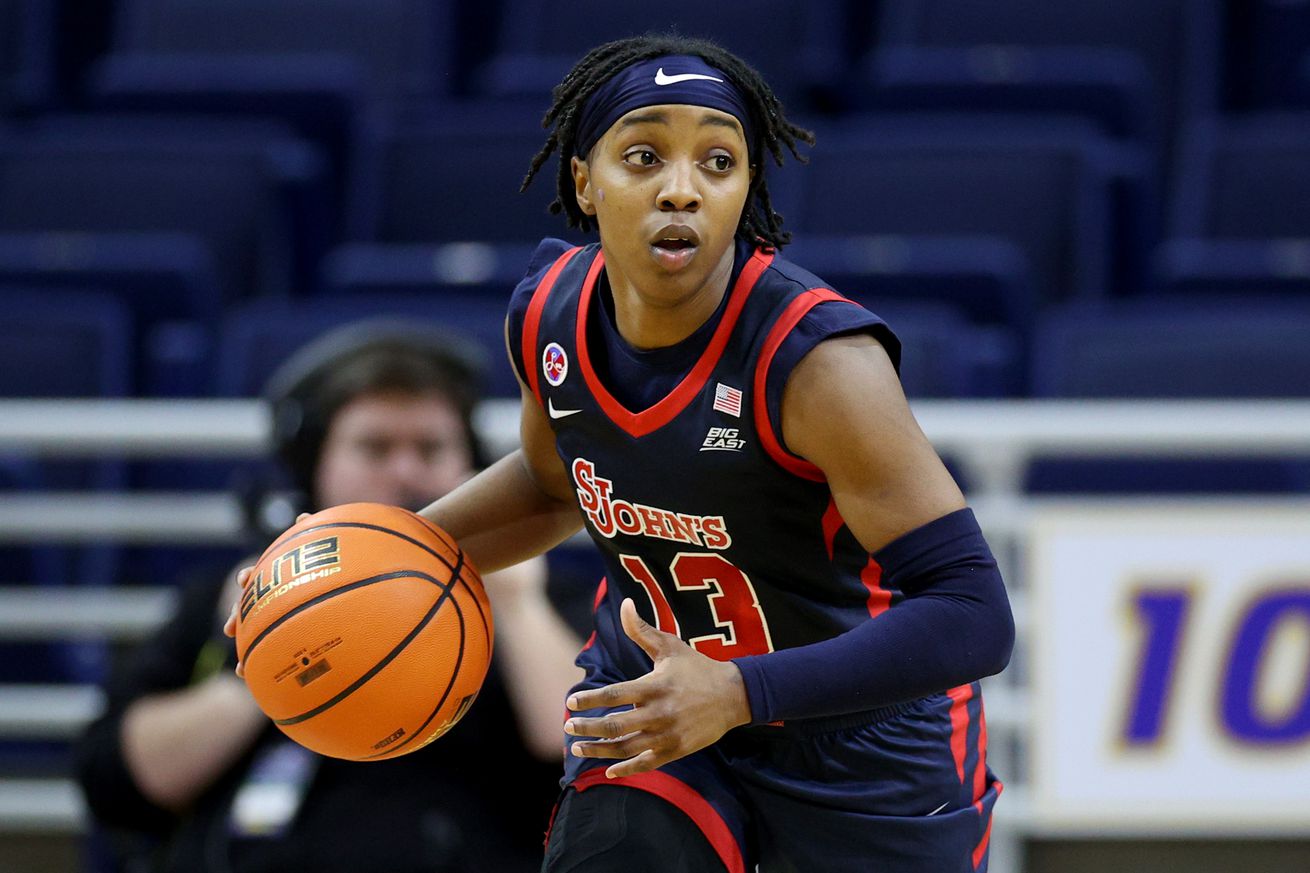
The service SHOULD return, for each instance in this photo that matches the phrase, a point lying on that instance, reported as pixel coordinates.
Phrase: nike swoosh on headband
(662, 79)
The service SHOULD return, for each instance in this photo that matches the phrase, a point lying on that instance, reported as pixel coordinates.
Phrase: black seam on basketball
(463, 635)
(477, 601)
(387, 659)
(377, 527)
(454, 674)
(384, 577)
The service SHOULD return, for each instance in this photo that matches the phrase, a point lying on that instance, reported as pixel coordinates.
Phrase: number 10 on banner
(1164, 614)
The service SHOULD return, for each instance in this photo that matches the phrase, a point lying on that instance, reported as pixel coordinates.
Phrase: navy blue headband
(682, 79)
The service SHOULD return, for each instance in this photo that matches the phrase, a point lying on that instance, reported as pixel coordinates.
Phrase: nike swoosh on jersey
(662, 79)
(559, 413)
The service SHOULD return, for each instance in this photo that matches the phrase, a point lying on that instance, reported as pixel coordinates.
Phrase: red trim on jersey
(960, 696)
(980, 769)
(981, 849)
(880, 599)
(790, 317)
(980, 789)
(639, 424)
(600, 595)
(1000, 789)
(832, 522)
(685, 798)
(532, 321)
(550, 825)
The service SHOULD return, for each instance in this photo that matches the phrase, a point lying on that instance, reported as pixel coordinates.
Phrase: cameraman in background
(378, 412)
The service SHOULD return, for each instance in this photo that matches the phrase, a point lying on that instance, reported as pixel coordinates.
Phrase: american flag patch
(727, 399)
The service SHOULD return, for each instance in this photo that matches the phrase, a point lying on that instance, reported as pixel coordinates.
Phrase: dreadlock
(758, 220)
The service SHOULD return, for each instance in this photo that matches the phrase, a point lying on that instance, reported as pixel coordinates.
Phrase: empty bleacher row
(1003, 159)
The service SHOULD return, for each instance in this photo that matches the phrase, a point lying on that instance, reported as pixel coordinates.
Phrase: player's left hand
(683, 705)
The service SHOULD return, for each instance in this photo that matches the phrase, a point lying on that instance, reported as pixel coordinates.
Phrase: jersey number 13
(733, 603)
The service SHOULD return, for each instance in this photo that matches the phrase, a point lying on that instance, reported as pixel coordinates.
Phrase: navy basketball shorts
(903, 789)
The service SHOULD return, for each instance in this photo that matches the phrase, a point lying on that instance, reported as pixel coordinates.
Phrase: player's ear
(582, 185)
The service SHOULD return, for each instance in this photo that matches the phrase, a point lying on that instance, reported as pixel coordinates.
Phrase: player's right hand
(243, 579)
(230, 626)
(687, 702)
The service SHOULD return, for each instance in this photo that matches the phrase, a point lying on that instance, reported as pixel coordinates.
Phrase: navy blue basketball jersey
(718, 533)
(723, 537)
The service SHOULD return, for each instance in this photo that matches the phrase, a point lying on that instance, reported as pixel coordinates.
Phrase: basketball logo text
(388, 740)
(314, 560)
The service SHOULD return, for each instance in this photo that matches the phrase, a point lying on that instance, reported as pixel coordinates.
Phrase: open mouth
(674, 245)
(675, 238)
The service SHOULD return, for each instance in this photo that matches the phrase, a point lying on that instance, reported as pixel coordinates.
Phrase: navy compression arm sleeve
(954, 626)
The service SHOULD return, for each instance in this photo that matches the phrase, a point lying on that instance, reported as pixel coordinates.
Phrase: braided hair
(758, 220)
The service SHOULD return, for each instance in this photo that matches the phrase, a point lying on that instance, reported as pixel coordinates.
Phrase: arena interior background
(1090, 223)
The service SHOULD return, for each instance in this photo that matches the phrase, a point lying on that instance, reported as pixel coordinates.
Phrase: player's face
(667, 185)
(401, 449)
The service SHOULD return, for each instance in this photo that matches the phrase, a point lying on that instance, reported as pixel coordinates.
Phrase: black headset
(300, 417)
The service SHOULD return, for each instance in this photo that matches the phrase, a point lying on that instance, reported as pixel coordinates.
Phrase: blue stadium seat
(250, 192)
(942, 354)
(27, 30)
(167, 280)
(1194, 268)
(453, 174)
(1137, 67)
(796, 46)
(260, 335)
(1244, 178)
(325, 68)
(464, 285)
(394, 48)
(465, 268)
(1239, 347)
(1109, 86)
(989, 278)
(61, 344)
(321, 100)
(1046, 188)
(1240, 211)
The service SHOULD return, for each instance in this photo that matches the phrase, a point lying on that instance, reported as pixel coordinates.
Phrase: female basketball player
(798, 606)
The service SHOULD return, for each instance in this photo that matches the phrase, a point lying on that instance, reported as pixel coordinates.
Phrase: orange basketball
(365, 632)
